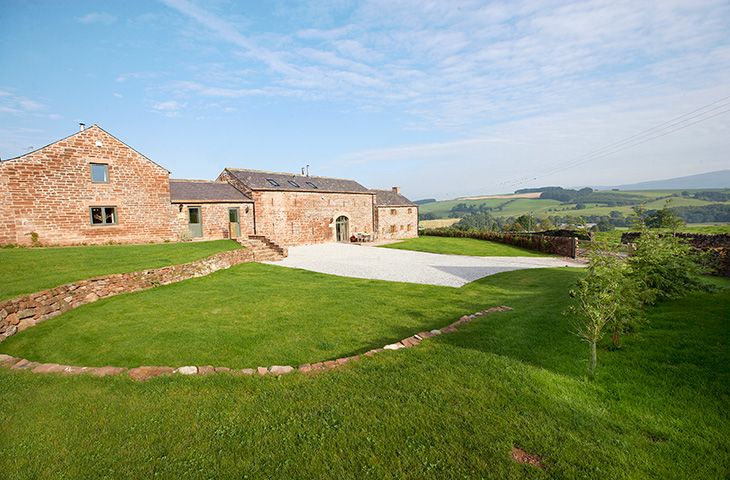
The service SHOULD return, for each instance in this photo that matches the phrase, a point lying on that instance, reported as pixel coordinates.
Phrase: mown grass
(452, 407)
(258, 315)
(463, 246)
(28, 270)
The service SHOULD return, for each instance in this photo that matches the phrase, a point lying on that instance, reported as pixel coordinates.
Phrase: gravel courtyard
(361, 261)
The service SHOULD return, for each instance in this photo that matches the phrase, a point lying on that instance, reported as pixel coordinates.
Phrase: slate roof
(205, 191)
(289, 182)
(388, 198)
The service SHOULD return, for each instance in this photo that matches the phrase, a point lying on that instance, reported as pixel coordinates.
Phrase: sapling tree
(605, 300)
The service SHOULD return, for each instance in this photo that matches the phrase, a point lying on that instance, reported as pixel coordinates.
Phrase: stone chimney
(396, 190)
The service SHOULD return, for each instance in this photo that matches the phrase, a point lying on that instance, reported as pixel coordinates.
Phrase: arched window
(342, 229)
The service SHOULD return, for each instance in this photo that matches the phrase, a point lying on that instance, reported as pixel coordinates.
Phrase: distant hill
(424, 201)
(718, 179)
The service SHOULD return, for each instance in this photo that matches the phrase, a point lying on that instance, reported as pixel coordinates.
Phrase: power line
(672, 125)
(644, 140)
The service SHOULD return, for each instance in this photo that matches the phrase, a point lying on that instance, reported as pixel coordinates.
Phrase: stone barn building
(86, 188)
(210, 210)
(396, 217)
(91, 188)
(297, 209)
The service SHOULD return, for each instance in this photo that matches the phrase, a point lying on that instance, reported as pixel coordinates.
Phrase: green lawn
(463, 246)
(28, 270)
(255, 315)
(452, 407)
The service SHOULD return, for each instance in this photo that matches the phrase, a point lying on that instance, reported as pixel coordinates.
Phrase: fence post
(574, 247)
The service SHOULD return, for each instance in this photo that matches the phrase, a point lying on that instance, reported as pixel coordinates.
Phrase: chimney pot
(396, 190)
(81, 127)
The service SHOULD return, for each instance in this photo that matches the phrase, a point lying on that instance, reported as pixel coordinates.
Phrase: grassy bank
(257, 315)
(28, 270)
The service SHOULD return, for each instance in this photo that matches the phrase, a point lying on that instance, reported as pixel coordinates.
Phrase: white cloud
(168, 108)
(97, 17)
(123, 77)
(22, 106)
(451, 65)
(514, 84)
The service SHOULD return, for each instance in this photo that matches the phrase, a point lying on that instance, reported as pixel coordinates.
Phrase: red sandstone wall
(215, 219)
(292, 218)
(7, 220)
(50, 192)
(404, 223)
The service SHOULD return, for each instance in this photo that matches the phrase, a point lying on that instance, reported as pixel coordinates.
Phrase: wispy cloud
(169, 108)
(454, 65)
(21, 106)
(97, 17)
(124, 77)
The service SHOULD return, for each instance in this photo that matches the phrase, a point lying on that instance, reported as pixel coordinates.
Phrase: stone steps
(263, 249)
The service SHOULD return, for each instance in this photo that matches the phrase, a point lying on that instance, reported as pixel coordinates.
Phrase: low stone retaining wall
(563, 246)
(147, 372)
(23, 312)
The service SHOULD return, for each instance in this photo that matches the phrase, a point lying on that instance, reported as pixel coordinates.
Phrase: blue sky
(442, 98)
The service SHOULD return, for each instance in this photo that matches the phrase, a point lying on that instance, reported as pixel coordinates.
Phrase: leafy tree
(664, 218)
(524, 223)
(478, 221)
(580, 206)
(606, 299)
(665, 266)
(546, 224)
(605, 226)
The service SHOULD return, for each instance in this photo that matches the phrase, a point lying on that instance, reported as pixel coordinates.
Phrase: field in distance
(607, 201)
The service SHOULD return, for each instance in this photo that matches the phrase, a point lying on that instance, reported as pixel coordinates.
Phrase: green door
(234, 223)
(195, 222)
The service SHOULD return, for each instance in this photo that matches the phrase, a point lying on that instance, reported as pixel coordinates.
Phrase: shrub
(665, 266)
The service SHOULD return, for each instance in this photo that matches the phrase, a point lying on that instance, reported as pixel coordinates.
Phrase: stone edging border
(147, 372)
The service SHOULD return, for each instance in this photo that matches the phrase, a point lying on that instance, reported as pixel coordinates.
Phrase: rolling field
(500, 207)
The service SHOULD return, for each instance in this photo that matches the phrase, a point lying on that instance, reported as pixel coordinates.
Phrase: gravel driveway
(407, 266)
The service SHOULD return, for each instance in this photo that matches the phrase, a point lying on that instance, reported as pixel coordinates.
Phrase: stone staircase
(263, 248)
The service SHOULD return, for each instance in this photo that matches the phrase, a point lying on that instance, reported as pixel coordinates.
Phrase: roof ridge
(195, 180)
(286, 173)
